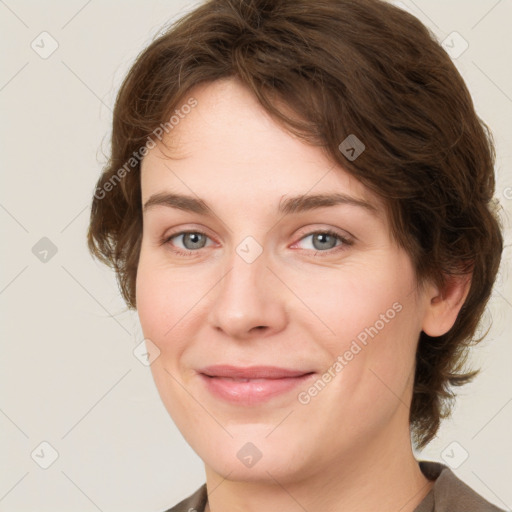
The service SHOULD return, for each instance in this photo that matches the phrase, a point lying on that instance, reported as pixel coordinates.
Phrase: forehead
(228, 144)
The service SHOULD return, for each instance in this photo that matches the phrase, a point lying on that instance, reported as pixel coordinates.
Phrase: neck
(379, 475)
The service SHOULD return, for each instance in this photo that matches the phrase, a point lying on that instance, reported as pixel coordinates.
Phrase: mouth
(251, 385)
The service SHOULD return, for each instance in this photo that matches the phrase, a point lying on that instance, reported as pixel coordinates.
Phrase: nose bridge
(246, 296)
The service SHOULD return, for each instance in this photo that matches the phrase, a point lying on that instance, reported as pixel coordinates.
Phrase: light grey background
(68, 373)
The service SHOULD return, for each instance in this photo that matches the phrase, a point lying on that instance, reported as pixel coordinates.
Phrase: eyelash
(343, 246)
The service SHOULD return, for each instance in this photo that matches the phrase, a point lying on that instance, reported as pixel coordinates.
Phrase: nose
(249, 300)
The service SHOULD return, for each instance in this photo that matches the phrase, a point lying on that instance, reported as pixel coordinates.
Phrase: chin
(259, 460)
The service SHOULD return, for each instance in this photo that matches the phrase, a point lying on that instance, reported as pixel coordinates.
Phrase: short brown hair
(340, 67)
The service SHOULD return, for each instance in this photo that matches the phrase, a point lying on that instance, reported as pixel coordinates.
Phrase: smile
(253, 385)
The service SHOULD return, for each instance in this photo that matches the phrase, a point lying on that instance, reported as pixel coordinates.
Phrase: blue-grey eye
(193, 240)
(322, 241)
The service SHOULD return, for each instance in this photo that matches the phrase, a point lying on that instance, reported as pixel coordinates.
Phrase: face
(286, 325)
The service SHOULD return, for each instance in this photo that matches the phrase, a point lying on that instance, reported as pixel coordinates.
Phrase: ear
(444, 304)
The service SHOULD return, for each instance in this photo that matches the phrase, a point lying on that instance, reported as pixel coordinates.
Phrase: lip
(251, 385)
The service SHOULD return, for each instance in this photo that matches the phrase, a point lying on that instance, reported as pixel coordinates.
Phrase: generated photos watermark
(304, 397)
(137, 156)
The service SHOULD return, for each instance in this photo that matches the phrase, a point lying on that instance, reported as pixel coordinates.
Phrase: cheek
(150, 289)
(369, 328)
(171, 304)
(361, 301)
(160, 303)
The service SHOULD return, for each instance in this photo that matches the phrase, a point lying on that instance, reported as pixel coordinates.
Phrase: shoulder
(450, 494)
(194, 503)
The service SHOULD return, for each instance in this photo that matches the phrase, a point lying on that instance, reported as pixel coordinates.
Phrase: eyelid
(187, 229)
(345, 235)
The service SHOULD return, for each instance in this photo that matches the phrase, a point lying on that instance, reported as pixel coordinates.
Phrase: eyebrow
(294, 204)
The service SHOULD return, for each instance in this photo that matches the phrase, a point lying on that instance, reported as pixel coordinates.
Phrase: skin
(298, 305)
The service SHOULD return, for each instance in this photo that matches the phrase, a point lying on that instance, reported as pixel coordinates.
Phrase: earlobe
(444, 304)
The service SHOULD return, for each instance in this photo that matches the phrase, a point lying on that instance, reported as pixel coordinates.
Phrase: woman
(299, 206)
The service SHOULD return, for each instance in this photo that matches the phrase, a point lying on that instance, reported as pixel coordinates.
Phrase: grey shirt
(449, 494)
